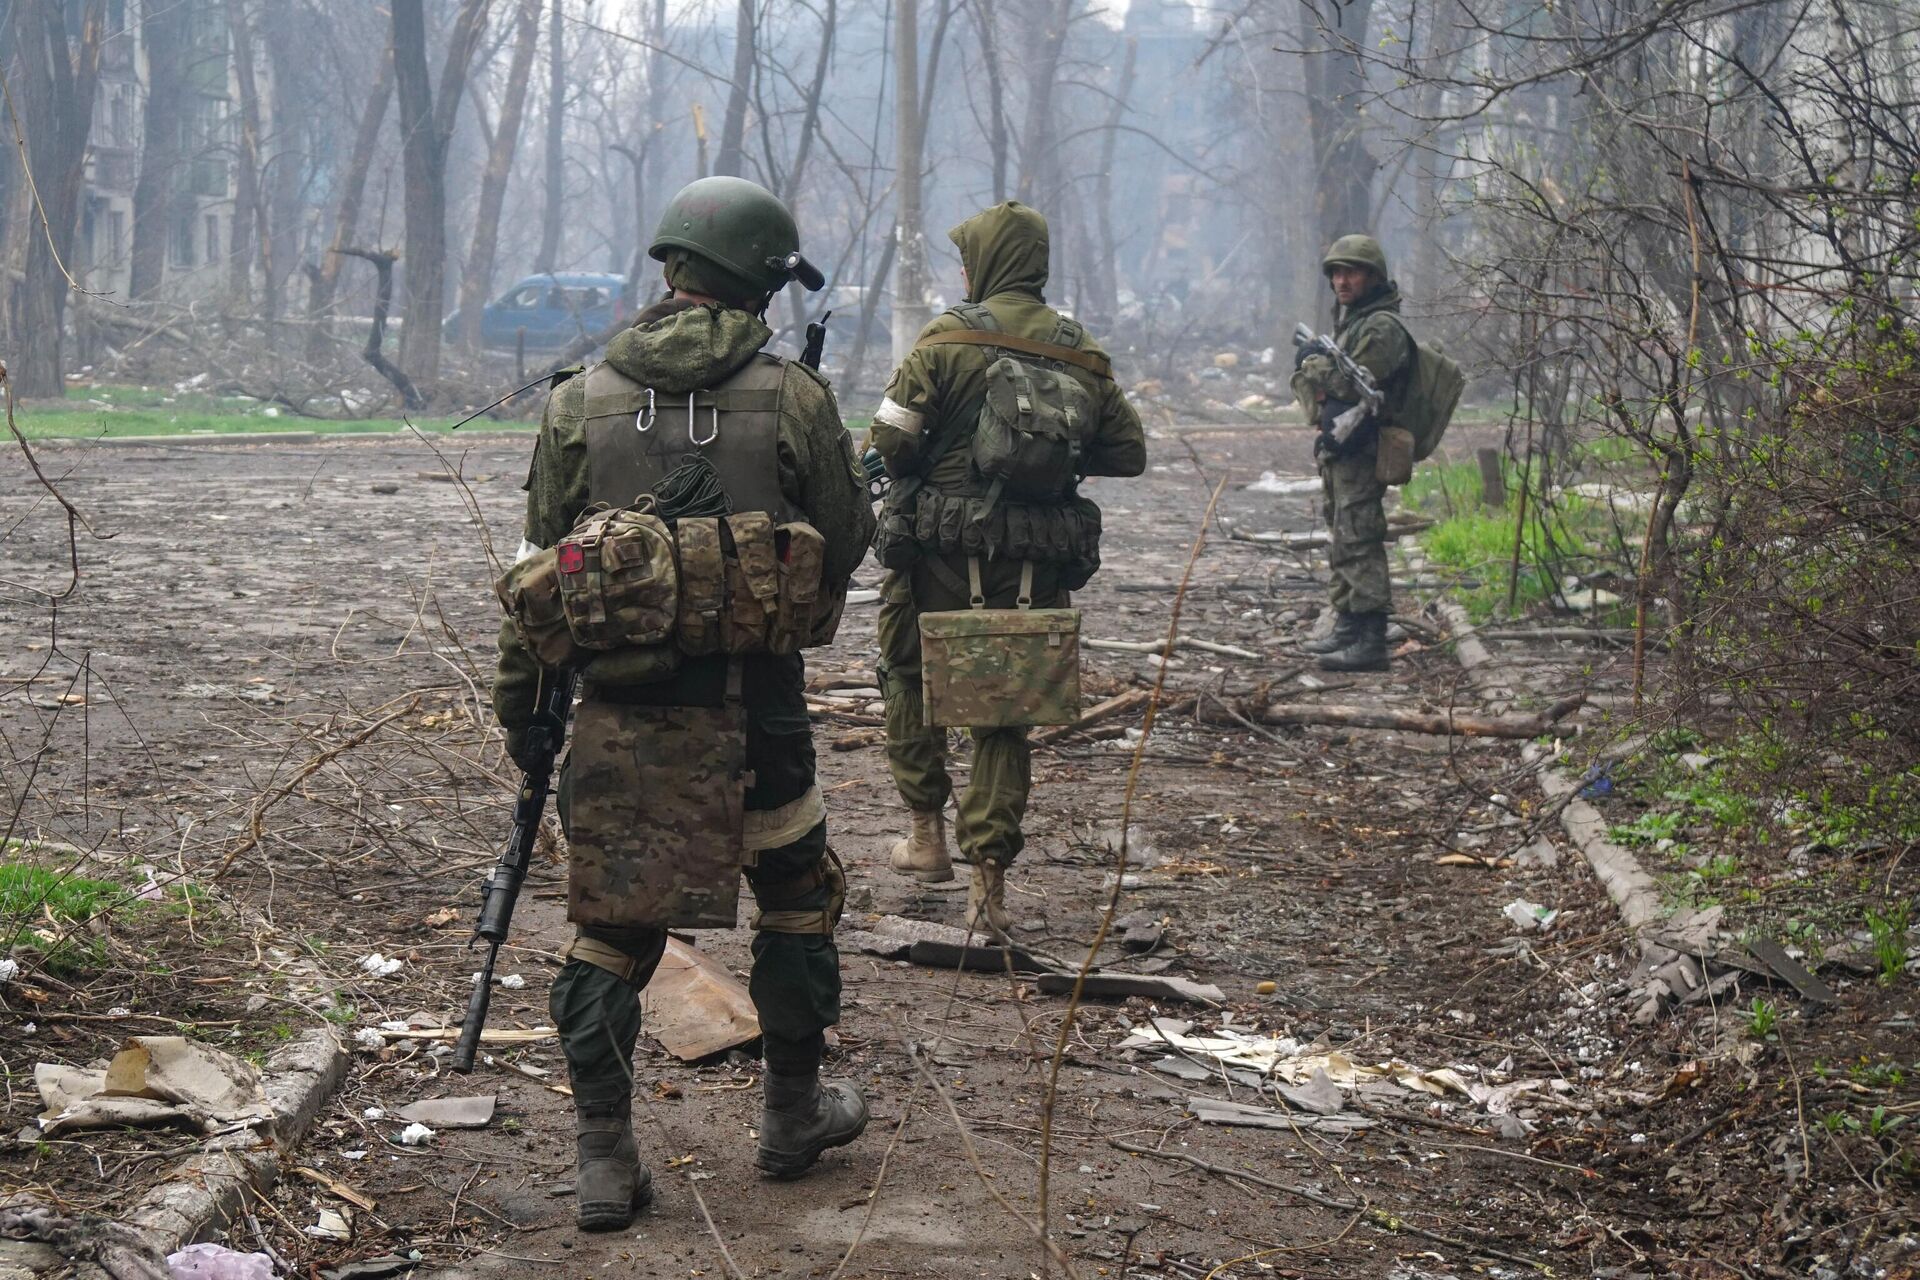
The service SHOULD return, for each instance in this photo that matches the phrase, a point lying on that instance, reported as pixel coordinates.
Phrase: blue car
(554, 310)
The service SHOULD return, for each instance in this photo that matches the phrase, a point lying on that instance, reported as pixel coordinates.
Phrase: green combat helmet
(739, 226)
(1356, 251)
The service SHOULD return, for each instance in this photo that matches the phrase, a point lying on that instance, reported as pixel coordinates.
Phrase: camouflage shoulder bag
(1000, 668)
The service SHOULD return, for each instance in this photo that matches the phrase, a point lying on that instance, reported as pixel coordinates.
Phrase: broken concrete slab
(1791, 971)
(694, 1007)
(1239, 1114)
(450, 1113)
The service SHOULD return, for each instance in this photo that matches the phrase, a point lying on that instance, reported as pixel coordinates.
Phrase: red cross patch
(572, 558)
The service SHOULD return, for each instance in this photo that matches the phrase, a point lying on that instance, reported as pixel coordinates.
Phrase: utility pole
(910, 310)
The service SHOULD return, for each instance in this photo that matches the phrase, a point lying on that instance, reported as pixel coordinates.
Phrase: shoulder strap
(975, 315)
(1097, 365)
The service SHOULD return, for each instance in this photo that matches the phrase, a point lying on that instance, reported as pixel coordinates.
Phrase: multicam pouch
(619, 584)
(1000, 668)
(530, 593)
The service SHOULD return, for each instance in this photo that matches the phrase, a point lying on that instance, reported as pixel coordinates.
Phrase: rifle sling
(1097, 365)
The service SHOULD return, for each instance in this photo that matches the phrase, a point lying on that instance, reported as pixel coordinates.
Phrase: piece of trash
(1273, 482)
(9, 968)
(381, 966)
(217, 1262)
(1265, 988)
(1530, 917)
(513, 982)
(153, 1080)
(1597, 783)
(415, 1135)
(450, 1113)
(1098, 985)
(695, 1007)
(1540, 853)
(1319, 1095)
(353, 1155)
(374, 1113)
(368, 1038)
(332, 1225)
(442, 918)
(391, 1264)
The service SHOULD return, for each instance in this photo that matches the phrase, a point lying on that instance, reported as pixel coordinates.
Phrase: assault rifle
(502, 887)
(1349, 420)
(816, 342)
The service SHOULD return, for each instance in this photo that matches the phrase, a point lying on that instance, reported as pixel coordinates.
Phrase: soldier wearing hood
(775, 443)
(1369, 329)
(944, 520)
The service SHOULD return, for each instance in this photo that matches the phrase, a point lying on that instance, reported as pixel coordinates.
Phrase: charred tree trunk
(1036, 135)
(163, 29)
(998, 142)
(1336, 87)
(346, 222)
(56, 69)
(1106, 279)
(246, 198)
(733, 130)
(477, 282)
(910, 310)
(374, 353)
(426, 130)
(556, 139)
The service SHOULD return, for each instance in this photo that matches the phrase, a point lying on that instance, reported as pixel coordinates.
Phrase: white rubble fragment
(381, 966)
(368, 1038)
(374, 1113)
(513, 982)
(9, 969)
(1530, 917)
(415, 1135)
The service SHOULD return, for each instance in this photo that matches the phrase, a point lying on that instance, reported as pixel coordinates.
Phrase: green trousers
(1354, 504)
(795, 982)
(995, 801)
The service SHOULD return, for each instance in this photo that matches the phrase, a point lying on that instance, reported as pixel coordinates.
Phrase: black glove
(1300, 354)
(517, 749)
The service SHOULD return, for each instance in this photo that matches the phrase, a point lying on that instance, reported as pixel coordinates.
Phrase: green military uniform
(923, 428)
(679, 348)
(1354, 500)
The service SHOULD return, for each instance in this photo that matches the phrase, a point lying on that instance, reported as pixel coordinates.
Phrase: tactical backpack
(1432, 392)
(1036, 416)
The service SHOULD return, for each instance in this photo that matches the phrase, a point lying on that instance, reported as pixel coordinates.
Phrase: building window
(181, 241)
(116, 237)
(213, 237)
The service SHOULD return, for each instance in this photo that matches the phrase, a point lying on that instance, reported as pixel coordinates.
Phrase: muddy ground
(270, 685)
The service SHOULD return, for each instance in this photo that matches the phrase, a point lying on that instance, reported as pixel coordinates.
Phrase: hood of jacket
(1004, 249)
(690, 349)
(1383, 297)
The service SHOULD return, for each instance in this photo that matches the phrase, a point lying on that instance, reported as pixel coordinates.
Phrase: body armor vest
(635, 435)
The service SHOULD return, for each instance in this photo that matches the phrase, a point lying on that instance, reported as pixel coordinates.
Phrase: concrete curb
(241, 438)
(207, 1191)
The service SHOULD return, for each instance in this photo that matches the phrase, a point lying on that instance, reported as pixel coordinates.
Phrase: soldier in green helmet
(770, 431)
(951, 536)
(1368, 328)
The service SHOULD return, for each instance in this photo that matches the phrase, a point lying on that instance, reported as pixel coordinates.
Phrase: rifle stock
(501, 890)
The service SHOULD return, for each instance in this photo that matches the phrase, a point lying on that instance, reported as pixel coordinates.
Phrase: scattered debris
(381, 966)
(332, 1225)
(153, 1080)
(415, 1135)
(1219, 1111)
(694, 1007)
(217, 1262)
(1791, 971)
(1530, 917)
(337, 1188)
(391, 1264)
(1273, 482)
(1441, 723)
(1133, 984)
(980, 957)
(451, 1113)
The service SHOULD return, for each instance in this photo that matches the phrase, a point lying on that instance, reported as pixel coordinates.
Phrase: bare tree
(552, 223)
(478, 278)
(247, 205)
(56, 68)
(733, 128)
(164, 31)
(323, 278)
(426, 131)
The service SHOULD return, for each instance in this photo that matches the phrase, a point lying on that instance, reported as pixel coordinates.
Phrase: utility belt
(627, 589)
(924, 520)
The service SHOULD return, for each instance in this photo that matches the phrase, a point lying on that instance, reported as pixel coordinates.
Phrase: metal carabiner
(712, 435)
(643, 420)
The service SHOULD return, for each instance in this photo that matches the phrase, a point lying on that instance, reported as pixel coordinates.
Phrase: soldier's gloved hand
(517, 749)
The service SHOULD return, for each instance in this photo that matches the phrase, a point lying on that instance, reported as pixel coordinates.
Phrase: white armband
(899, 417)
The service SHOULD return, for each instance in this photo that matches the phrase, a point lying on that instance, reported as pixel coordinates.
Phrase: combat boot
(610, 1184)
(987, 912)
(800, 1117)
(1345, 631)
(1368, 652)
(923, 854)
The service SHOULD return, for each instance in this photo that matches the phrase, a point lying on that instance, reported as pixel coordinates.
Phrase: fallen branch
(1440, 723)
(1311, 541)
(1156, 646)
(1118, 705)
(1378, 1217)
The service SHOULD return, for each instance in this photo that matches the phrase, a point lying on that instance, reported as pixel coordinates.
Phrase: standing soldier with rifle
(987, 428)
(1369, 331)
(693, 514)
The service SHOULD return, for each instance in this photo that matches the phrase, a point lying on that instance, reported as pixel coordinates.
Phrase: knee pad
(778, 901)
(630, 967)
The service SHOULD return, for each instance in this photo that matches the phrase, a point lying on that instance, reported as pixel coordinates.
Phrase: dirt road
(281, 659)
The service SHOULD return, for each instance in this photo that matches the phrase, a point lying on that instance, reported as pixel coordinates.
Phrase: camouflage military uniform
(678, 348)
(1354, 501)
(931, 404)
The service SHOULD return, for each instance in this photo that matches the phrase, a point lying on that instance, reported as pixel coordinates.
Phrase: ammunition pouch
(1065, 534)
